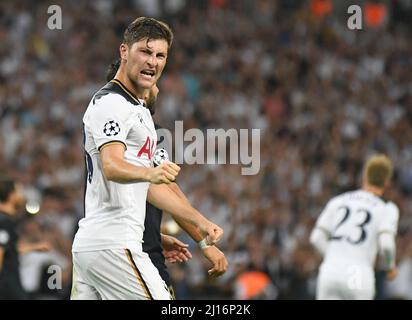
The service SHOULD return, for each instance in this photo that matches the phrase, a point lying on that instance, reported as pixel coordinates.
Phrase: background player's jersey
(152, 243)
(10, 283)
(115, 212)
(354, 221)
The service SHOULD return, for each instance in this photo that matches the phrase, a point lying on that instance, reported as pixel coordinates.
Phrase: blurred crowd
(325, 98)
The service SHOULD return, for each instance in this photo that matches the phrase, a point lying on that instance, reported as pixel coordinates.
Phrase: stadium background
(324, 97)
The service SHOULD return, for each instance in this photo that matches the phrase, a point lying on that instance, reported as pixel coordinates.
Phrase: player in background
(350, 232)
(120, 140)
(158, 246)
(11, 203)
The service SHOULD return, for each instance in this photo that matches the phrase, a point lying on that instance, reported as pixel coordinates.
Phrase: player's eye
(145, 51)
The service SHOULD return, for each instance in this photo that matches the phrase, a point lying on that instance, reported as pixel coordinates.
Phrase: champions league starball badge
(111, 128)
(160, 156)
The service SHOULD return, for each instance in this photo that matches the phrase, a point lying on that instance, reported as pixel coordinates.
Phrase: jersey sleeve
(390, 219)
(110, 120)
(325, 220)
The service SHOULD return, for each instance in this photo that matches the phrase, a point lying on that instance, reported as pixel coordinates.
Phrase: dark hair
(7, 186)
(149, 28)
(112, 70)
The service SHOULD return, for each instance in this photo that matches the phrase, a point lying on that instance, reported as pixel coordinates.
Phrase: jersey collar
(130, 94)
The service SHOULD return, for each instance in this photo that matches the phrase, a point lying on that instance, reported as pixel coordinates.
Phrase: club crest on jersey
(148, 148)
(111, 128)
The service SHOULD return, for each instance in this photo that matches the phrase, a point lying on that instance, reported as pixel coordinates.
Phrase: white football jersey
(115, 212)
(353, 221)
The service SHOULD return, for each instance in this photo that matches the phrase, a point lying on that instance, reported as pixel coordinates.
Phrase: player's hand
(391, 274)
(218, 260)
(175, 256)
(164, 173)
(212, 232)
(150, 95)
(154, 91)
(174, 249)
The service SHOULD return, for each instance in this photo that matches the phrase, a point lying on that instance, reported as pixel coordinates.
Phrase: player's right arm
(117, 169)
(320, 240)
(108, 121)
(321, 234)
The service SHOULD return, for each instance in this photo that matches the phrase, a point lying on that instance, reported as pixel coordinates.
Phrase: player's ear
(123, 49)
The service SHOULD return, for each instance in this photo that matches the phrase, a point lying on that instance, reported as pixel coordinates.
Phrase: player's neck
(124, 79)
(7, 208)
(372, 189)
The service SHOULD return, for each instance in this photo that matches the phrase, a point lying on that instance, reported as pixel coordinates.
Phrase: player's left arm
(165, 199)
(192, 230)
(386, 240)
(212, 253)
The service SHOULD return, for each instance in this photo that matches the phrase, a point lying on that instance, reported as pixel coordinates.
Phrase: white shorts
(116, 275)
(349, 282)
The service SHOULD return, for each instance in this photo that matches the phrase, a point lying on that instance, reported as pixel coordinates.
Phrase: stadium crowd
(325, 97)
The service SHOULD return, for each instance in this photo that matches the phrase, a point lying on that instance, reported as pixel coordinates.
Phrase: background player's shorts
(345, 282)
(116, 275)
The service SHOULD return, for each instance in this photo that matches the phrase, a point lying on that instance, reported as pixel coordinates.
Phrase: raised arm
(117, 169)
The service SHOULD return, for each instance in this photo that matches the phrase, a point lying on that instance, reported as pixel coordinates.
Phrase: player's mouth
(148, 74)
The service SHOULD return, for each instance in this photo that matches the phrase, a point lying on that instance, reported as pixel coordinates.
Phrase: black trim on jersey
(131, 95)
(115, 86)
(111, 141)
(140, 275)
(102, 92)
(126, 91)
(86, 173)
(85, 187)
(172, 292)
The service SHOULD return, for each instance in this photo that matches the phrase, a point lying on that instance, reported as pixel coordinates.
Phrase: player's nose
(152, 61)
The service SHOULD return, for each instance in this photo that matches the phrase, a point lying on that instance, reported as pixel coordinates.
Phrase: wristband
(203, 244)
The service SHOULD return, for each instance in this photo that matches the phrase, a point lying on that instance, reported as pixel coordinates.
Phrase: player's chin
(146, 83)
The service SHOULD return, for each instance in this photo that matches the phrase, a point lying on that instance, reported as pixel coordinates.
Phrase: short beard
(132, 80)
(151, 101)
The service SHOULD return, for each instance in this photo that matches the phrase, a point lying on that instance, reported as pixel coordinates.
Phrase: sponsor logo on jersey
(148, 148)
